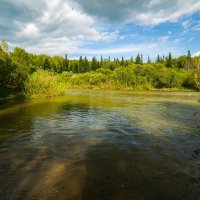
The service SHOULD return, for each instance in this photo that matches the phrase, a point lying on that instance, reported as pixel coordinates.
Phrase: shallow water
(101, 145)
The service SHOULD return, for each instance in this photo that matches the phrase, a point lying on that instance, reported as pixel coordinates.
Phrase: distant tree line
(17, 66)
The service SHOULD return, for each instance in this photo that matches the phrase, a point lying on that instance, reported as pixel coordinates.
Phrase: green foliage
(104, 71)
(6, 66)
(169, 78)
(196, 79)
(89, 78)
(124, 77)
(44, 84)
(42, 75)
(138, 59)
(22, 68)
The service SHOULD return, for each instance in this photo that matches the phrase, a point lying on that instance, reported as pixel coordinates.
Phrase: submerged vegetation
(42, 75)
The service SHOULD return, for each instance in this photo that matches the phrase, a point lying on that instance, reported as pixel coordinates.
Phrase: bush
(197, 79)
(80, 79)
(44, 84)
(124, 76)
(89, 79)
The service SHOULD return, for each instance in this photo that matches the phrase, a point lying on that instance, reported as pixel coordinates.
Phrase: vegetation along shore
(44, 76)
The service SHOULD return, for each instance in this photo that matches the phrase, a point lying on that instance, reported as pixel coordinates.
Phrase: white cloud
(60, 26)
(61, 29)
(30, 30)
(186, 24)
(164, 38)
(196, 54)
(146, 12)
(197, 26)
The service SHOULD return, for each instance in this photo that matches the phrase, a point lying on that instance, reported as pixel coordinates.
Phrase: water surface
(101, 145)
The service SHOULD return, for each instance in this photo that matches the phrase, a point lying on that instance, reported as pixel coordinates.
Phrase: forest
(42, 75)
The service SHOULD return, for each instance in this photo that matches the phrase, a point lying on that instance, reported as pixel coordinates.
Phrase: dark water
(101, 145)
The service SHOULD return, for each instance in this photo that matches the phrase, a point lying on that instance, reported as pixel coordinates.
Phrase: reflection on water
(101, 145)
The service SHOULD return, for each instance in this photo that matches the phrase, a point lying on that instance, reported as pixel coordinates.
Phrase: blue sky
(108, 27)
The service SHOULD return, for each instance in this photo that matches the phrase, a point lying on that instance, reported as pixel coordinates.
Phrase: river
(101, 145)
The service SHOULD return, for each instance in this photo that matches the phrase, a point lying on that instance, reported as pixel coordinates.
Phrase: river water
(101, 145)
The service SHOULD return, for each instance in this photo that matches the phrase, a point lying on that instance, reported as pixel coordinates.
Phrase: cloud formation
(60, 26)
(146, 12)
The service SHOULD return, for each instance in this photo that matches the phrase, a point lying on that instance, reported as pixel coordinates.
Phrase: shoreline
(4, 99)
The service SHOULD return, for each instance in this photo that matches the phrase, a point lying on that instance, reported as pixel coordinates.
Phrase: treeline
(17, 67)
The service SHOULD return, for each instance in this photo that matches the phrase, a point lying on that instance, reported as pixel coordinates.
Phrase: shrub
(124, 76)
(44, 84)
(197, 79)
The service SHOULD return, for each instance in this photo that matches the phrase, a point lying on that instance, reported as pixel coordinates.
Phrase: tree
(169, 60)
(46, 65)
(22, 68)
(101, 62)
(148, 61)
(131, 61)
(4, 46)
(6, 67)
(138, 59)
(94, 64)
(189, 61)
(189, 54)
(86, 66)
(158, 58)
(66, 63)
(122, 61)
(141, 59)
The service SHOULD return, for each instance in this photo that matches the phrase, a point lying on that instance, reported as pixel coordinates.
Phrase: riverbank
(114, 88)
(6, 95)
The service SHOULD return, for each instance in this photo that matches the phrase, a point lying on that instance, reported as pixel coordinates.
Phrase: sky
(112, 28)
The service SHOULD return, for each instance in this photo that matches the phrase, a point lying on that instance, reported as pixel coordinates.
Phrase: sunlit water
(101, 145)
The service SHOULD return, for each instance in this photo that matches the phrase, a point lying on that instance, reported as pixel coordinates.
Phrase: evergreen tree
(131, 60)
(169, 60)
(189, 63)
(158, 59)
(141, 59)
(122, 61)
(46, 64)
(86, 65)
(101, 62)
(94, 64)
(138, 59)
(149, 60)
(189, 54)
(80, 65)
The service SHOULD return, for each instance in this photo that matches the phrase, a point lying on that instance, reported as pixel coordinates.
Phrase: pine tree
(149, 60)
(138, 59)
(141, 59)
(86, 65)
(46, 64)
(122, 61)
(80, 65)
(169, 60)
(94, 64)
(188, 60)
(189, 54)
(131, 60)
(158, 59)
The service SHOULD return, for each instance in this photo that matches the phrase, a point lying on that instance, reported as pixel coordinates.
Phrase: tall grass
(44, 84)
